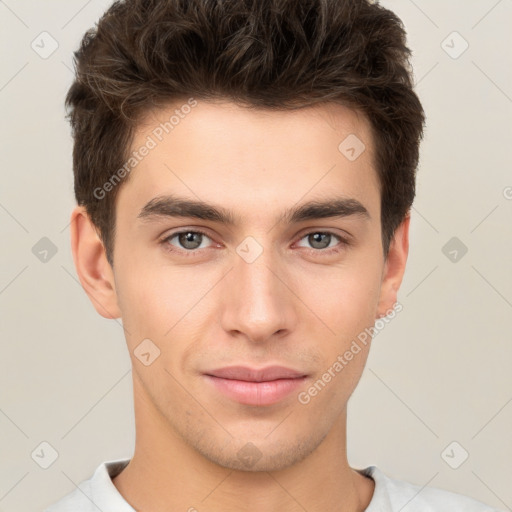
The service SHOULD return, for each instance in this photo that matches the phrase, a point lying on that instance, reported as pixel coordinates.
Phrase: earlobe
(92, 267)
(394, 268)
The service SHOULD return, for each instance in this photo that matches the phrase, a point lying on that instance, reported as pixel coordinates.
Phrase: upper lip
(256, 375)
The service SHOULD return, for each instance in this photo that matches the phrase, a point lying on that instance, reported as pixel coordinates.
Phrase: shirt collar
(106, 496)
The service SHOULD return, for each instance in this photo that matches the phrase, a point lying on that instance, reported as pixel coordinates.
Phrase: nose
(257, 300)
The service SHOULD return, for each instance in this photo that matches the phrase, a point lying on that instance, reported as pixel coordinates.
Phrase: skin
(294, 305)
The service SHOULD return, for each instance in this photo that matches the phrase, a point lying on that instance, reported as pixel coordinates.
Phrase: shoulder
(78, 500)
(391, 494)
(96, 493)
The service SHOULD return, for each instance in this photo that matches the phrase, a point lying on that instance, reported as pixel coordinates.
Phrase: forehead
(246, 158)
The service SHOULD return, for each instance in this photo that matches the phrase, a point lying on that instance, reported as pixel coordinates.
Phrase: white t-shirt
(98, 493)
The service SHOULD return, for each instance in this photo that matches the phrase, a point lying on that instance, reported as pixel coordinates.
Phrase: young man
(244, 172)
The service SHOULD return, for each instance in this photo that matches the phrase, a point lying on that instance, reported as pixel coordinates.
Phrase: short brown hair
(270, 54)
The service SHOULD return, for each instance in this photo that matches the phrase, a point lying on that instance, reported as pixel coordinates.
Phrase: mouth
(258, 387)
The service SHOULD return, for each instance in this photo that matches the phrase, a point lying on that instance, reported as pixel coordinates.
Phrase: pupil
(317, 237)
(187, 240)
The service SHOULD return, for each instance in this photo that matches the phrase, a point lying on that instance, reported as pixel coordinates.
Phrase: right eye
(188, 240)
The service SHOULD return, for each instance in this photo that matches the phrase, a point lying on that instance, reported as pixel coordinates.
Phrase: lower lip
(256, 393)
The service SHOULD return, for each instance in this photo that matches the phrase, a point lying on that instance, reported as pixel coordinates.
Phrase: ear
(93, 269)
(394, 268)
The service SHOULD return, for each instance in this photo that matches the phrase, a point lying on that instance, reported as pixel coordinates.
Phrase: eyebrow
(174, 206)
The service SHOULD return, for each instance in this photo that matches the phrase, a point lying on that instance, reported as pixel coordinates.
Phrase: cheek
(145, 299)
(345, 298)
(348, 308)
(160, 302)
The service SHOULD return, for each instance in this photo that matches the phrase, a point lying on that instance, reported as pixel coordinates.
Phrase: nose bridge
(257, 302)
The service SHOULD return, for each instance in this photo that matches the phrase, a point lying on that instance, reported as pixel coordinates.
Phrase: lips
(259, 387)
(253, 375)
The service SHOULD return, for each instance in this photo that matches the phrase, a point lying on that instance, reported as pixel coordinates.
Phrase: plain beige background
(439, 373)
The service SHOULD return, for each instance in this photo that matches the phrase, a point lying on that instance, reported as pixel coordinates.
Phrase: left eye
(321, 239)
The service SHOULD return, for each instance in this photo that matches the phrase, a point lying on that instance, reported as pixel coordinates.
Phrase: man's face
(265, 290)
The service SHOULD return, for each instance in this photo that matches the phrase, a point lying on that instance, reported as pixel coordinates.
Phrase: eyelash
(194, 252)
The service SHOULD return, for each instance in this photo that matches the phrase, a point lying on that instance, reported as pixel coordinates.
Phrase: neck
(167, 473)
